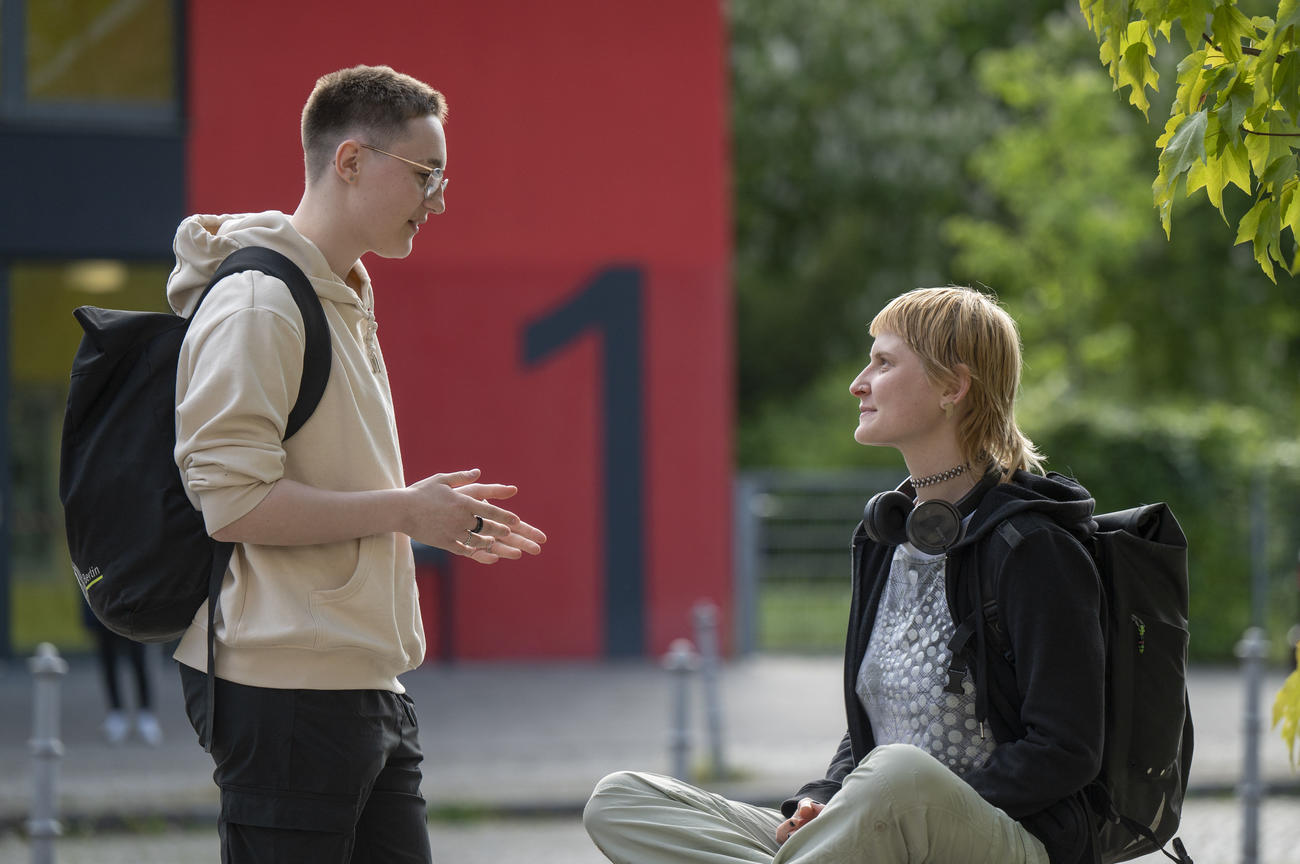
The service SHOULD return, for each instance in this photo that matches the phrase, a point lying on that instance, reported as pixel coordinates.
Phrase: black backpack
(140, 550)
(1141, 556)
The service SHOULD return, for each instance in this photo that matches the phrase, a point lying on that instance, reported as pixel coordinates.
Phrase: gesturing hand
(451, 511)
(803, 814)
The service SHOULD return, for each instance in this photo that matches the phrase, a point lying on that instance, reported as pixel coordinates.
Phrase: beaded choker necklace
(932, 479)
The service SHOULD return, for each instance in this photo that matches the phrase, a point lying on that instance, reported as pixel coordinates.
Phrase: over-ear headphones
(933, 526)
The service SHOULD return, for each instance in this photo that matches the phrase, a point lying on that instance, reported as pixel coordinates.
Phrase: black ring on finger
(478, 525)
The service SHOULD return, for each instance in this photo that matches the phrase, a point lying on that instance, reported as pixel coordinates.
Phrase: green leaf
(1235, 101)
(1163, 192)
(1266, 149)
(1287, 206)
(1191, 14)
(1232, 166)
(1288, 15)
(1205, 87)
(1281, 170)
(1286, 84)
(1236, 164)
(1191, 64)
(1262, 225)
(1186, 147)
(1171, 126)
(1109, 21)
(1249, 224)
(1191, 76)
(1286, 711)
(1261, 67)
(1135, 69)
(1203, 172)
(1228, 28)
(1291, 209)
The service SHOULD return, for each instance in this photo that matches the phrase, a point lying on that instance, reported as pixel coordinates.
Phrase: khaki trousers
(898, 805)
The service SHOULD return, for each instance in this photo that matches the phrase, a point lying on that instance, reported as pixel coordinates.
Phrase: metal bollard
(1252, 650)
(706, 636)
(681, 661)
(47, 667)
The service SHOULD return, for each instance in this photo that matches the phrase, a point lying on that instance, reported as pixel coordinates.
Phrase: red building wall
(584, 138)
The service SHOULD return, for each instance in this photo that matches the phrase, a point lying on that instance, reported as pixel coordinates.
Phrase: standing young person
(926, 772)
(315, 741)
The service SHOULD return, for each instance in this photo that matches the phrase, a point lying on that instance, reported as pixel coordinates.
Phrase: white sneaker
(115, 727)
(146, 726)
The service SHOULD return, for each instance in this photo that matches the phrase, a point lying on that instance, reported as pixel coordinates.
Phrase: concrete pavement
(507, 741)
(1211, 832)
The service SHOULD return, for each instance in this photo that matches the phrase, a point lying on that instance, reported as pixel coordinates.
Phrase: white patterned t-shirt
(902, 678)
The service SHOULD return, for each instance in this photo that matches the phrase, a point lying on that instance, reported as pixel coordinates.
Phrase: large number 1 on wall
(610, 303)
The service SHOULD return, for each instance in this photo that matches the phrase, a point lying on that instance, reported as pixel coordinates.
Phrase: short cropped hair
(374, 100)
(957, 325)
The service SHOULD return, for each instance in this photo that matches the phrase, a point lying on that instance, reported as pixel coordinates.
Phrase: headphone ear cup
(885, 517)
(933, 526)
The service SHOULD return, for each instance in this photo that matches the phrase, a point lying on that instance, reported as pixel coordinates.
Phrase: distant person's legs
(115, 726)
(146, 724)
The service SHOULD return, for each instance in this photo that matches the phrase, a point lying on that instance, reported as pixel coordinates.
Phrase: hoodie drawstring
(372, 340)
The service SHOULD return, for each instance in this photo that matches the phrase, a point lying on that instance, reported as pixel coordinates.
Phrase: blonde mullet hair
(952, 326)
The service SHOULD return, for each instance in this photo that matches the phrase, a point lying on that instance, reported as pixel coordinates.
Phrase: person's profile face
(897, 404)
(406, 185)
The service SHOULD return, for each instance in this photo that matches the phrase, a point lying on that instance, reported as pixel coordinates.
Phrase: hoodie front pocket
(359, 613)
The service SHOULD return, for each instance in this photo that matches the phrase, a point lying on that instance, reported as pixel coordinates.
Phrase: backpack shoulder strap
(1006, 537)
(316, 361)
(990, 571)
(981, 633)
(316, 355)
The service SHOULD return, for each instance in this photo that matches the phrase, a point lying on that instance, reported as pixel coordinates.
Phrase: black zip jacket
(1049, 598)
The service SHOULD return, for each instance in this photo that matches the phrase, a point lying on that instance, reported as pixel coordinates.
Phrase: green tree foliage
(1069, 222)
(1235, 118)
(1107, 308)
(851, 124)
(1155, 369)
(879, 147)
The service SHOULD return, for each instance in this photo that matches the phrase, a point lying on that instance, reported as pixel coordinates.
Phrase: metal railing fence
(792, 533)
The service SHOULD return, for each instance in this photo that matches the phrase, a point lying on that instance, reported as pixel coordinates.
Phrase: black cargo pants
(328, 776)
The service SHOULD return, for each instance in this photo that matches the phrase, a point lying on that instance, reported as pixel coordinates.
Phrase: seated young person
(923, 773)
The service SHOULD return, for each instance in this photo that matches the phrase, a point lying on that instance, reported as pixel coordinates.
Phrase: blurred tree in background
(851, 125)
(885, 146)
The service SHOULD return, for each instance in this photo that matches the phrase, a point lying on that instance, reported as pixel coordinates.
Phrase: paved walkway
(508, 741)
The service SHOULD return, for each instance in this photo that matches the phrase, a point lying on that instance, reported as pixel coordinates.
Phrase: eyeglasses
(433, 185)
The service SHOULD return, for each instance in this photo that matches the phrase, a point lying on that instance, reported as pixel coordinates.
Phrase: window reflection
(100, 51)
(42, 338)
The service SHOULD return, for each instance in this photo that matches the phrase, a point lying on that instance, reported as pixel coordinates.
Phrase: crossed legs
(899, 806)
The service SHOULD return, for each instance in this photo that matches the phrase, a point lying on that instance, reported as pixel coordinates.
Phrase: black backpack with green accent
(1141, 556)
(140, 550)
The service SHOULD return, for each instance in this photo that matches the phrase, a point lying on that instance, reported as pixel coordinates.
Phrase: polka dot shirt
(901, 680)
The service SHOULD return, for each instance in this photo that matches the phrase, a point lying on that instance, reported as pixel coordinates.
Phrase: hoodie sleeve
(823, 790)
(236, 381)
(1049, 595)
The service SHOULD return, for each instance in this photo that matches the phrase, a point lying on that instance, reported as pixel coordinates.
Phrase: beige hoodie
(329, 617)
